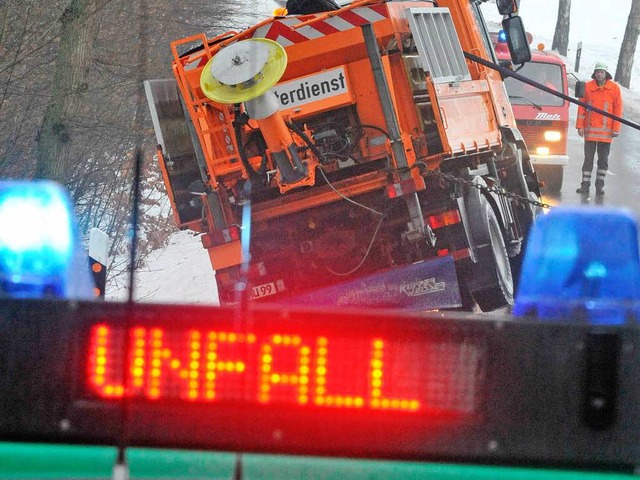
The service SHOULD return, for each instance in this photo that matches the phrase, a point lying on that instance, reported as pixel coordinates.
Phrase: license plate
(264, 290)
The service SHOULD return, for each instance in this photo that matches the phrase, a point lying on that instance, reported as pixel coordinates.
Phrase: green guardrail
(74, 462)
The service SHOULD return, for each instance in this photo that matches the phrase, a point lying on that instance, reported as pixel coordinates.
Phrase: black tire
(467, 300)
(496, 288)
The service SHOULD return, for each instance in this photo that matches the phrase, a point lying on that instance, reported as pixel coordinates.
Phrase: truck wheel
(551, 176)
(467, 301)
(496, 288)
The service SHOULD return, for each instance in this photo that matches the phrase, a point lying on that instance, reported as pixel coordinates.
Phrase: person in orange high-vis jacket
(598, 130)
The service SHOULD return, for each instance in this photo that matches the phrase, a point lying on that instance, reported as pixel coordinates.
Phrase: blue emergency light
(40, 252)
(502, 36)
(582, 263)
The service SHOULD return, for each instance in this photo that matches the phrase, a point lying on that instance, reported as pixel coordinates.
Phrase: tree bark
(628, 47)
(561, 35)
(70, 83)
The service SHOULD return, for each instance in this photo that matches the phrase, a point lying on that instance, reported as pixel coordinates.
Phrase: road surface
(622, 185)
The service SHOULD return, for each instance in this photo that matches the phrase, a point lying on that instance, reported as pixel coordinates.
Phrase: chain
(485, 189)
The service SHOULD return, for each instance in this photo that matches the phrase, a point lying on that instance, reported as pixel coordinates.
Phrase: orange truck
(355, 157)
(542, 118)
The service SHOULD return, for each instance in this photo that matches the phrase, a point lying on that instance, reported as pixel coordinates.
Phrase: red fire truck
(542, 118)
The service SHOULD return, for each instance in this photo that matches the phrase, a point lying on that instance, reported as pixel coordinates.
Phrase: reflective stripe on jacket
(597, 127)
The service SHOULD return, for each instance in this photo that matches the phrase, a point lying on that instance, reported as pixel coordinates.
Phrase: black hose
(294, 128)
(255, 176)
(373, 127)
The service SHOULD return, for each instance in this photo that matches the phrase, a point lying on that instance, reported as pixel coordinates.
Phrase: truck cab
(542, 118)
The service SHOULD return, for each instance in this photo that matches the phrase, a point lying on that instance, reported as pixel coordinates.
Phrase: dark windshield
(548, 74)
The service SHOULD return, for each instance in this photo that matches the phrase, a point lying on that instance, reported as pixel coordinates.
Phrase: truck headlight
(552, 136)
(542, 150)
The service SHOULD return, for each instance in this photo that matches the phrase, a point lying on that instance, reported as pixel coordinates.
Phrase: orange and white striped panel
(281, 31)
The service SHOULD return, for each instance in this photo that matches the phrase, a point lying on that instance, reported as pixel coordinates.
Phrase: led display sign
(285, 367)
(273, 379)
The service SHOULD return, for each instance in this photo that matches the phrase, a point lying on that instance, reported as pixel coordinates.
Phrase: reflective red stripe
(351, 17)
(325, 28)
(282, 32)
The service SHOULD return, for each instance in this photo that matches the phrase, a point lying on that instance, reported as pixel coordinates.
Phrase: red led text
(268, 369)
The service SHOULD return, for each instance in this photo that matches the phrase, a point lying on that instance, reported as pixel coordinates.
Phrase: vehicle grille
(534, 137)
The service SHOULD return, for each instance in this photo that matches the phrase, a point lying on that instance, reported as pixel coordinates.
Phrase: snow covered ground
(181, 272)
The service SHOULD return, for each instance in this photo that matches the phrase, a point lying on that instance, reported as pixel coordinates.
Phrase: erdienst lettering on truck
(310, 89)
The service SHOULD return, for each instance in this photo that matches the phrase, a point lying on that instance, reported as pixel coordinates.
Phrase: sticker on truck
(321, 86)
(422, 287)
(264, 290)
(425, 285)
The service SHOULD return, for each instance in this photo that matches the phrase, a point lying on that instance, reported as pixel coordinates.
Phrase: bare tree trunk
(69, 84)
(3, 21)
(628, 47)
(561, 35)
(8, 65)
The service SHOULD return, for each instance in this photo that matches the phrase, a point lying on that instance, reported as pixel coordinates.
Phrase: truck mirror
(516, 40)
(507, 7)
(580, 89)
